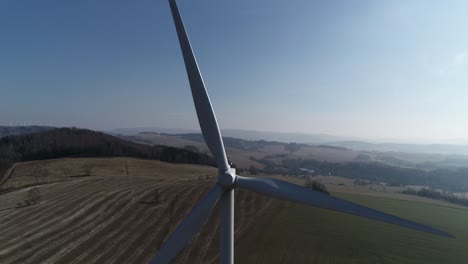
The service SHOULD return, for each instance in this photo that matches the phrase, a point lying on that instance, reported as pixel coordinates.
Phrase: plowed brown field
(112, 215)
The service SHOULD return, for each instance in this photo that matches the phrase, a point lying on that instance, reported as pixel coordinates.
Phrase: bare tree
(172, 205)
(87, 171)
(317, 186)
(33, 196)
(156, 196)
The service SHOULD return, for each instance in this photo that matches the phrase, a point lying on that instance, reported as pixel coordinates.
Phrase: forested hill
(73, 142)
(18, 130)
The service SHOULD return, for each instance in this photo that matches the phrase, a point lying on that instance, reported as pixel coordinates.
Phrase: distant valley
(128, 189)
(447, 149)
(348, 159)
(354, 143)
(448, 172)
(343, 151)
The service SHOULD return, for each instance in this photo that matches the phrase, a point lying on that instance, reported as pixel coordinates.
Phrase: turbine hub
(227, 178)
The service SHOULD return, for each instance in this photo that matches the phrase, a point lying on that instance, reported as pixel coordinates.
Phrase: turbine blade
(205, 113)
(295, 193)
(189, 227)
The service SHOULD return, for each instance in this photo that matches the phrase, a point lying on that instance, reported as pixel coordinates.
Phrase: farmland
(300, 234)
(99, 218)
(120, 210)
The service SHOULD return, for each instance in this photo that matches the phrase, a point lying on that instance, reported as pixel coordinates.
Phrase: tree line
(74, 142)
(434, 194)
(450, 179)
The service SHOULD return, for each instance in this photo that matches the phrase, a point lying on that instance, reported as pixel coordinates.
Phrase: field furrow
(54, 194)
(118, 250)
(103, 239)
(112, 219)
(153, 236)
(89, 225)
(66, 208)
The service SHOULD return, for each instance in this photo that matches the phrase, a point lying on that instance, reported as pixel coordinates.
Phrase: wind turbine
(228, 180)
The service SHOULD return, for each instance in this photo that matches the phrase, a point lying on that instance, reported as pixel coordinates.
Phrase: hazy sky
(359, 68)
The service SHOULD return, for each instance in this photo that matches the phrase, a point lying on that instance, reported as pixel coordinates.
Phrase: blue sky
(386, 69)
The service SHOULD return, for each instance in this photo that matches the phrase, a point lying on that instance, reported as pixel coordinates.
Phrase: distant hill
(454, 147)
(242, 134)
(73, 142)
(288, 137)
(138, 130)
(408, 148)
(447, 172)
(236, 143)
(245, 153)
(18, 130)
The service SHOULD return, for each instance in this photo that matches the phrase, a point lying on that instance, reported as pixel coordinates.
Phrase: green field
(300, 234)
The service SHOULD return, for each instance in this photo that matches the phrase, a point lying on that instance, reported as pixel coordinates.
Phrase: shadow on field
(4, 209)
(18, 206)
(148, 203)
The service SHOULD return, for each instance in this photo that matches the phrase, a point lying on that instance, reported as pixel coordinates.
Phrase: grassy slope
(299, 234)
(53, 170)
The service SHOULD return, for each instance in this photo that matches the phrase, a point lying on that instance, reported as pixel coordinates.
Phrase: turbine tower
(228, 180)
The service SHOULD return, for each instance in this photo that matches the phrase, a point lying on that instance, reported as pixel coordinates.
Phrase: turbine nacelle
(227, 178)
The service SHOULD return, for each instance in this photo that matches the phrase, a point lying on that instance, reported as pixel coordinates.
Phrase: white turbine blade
(189, 227)
(295, 193)
(205, 113)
